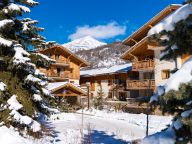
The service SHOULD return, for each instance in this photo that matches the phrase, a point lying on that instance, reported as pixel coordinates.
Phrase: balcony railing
(143, 65)
(140, 84)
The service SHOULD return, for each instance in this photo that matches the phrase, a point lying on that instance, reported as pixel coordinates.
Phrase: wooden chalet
(112, 80)
(64, 74)
(145, 57)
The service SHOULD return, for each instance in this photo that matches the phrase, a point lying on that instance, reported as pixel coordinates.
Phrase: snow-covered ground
(98, 126)
(106, 127)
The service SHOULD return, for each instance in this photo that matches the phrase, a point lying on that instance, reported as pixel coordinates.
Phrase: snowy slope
(104, 56)
(84, 43)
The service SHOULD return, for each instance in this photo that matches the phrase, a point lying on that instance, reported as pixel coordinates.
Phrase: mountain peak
(84, 43)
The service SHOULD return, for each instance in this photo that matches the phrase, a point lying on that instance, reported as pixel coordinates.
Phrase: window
(165, 74)
(58, 71)
(57, 56)
(110, 82)
(99, 82)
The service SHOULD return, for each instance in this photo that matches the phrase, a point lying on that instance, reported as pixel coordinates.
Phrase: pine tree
(178, 103)
(23, 94)
(98, 100)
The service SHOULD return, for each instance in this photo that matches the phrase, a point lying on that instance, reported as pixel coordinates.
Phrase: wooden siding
(65, 67)
(140, 84)
(143, 65)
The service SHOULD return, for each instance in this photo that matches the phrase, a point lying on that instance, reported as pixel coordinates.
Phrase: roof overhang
(142, 32)
(71, 55)
(72, 87)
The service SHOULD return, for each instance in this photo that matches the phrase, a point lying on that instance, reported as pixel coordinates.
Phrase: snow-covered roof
(52, 86)
(114, 69)
(169, 22)
(58, 85)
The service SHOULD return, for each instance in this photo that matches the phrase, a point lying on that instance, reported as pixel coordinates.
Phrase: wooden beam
(80, 64)
(150, 26)
(133, 56)
(133, 40)
(66, 95)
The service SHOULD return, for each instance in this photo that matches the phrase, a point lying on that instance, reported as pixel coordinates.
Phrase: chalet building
(145, 58)
(64, 74)
(112, 80)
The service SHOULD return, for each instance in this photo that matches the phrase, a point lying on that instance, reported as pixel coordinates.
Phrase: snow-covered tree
(175, 97)
(23, 94)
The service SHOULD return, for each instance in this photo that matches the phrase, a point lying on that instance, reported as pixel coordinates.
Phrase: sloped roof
(139, 37)
(142, 31)
(70, 53)
(59, 85)
(114, 69)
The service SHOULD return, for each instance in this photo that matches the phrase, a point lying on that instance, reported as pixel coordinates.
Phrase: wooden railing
(57, 75)
(143, 65)
(140, 84)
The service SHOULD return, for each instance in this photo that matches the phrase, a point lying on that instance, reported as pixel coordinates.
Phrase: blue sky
(106, 20)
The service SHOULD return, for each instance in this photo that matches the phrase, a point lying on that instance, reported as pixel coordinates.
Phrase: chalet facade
(64, 74)
(112, 81)
(145, 57)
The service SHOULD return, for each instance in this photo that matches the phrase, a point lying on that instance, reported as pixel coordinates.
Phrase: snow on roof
(52, 86)
(55, 85)
(114, 69)
(169, 22)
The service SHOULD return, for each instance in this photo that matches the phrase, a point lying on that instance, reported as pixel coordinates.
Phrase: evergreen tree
(178, 103)
(98, 100)
(23, 94)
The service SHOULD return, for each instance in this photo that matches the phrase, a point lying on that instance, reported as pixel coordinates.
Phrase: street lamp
(88, 98)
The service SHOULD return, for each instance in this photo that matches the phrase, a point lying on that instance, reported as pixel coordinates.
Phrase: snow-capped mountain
(104, 56)
(85, 43)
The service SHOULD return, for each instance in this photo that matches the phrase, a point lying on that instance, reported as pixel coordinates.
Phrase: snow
(45, 57)
(34, 79)
(103, 126)
(16, 7)
(63, 116)
(32, 2)
(84, 43)
(14, 104)
(4, 22)
(113, 69)
(10, 136)
(183, 75)
(20, 54)
(2, 86)
(156, 122)
(168, 23)
(186, 113)
(37, 97)
(5, 42)
(164, 137)
(52, 86)
(46, 92)
(177, 124)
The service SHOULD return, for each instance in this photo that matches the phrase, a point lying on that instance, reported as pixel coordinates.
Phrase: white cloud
(109, 30)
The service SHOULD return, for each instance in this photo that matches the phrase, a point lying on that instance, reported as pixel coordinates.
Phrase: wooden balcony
(140, 84)
(145, 65)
